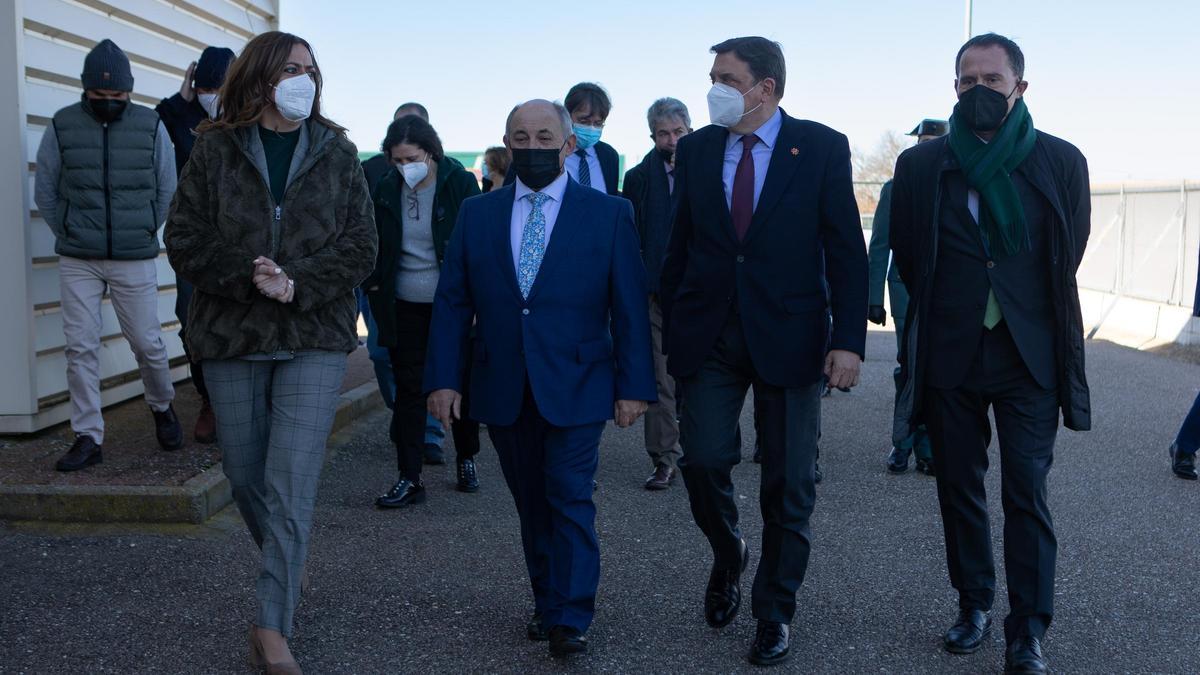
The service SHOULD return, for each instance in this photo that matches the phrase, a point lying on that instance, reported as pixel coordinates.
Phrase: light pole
(967, 25)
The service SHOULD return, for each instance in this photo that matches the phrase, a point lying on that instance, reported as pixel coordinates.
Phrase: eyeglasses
(414, 206)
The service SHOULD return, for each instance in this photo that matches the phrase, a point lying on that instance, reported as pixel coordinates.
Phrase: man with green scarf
(988, 226)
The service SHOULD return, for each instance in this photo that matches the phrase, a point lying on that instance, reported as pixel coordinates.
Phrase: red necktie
(742, 204)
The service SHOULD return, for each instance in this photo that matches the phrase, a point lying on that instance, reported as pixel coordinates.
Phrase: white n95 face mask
(294, 97)
(725, 104)
(414, 173)
(211, 104)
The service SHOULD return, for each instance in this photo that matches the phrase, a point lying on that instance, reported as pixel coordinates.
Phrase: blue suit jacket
(803, 255)
(577, 361)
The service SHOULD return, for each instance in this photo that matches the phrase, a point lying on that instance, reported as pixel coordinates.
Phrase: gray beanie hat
(107, 67)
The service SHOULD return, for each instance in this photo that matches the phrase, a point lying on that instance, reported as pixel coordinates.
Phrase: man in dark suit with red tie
(762, 197)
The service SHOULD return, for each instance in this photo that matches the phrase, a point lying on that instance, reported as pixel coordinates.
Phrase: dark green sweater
(278, 148)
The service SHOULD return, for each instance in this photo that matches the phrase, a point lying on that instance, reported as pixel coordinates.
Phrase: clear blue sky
(1118, 79)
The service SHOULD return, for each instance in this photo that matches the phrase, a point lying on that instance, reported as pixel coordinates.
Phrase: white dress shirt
(596, 175)
(760, 154)
(522, 207)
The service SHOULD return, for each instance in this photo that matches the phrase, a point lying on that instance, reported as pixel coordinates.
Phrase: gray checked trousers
(273, 419)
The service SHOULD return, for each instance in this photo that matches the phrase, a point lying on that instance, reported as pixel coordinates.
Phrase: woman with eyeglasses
(416, 207)
(272, 223)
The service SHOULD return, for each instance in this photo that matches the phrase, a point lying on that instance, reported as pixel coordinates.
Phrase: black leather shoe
(467, 480)
(967, 634)
(167, 429)
(1024, 657)
(661, 478)
(723, 596)
(403, 493)
(565, 641)
(1182, 463)
(897, 461)
(83, 453)
(535, 630)
(433, 455)
(770, 644)
(925, 466)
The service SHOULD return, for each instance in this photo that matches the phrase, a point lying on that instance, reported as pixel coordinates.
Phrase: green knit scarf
(988, 167)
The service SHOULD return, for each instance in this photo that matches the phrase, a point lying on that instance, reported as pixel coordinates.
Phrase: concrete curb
(193, 502)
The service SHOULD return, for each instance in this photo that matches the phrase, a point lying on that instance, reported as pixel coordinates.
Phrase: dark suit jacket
(775, 275)
(610, 165)
(648, 188)
(560, 339)
(928, 189)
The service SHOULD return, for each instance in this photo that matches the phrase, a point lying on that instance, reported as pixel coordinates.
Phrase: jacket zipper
(107, 196)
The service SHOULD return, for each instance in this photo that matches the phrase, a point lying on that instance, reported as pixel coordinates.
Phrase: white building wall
(42, 47)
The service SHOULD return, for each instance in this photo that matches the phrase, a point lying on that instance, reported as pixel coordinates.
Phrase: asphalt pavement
(441, 587)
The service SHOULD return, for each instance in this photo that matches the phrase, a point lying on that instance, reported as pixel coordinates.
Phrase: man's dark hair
(591, 94)
(1016, 59)
(413, 130)
(420, 110)
(765, 58)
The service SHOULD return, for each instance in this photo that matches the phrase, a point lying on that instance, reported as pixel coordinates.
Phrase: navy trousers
(549, 471)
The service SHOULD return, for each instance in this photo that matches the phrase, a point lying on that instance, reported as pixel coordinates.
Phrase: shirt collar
(554, 190)
(590, 152)
(767, 133)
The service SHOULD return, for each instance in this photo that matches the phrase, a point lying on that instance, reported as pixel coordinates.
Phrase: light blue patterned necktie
(533, 243)
(585, 171)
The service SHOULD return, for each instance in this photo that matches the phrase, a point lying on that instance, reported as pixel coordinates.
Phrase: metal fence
(1144, 242)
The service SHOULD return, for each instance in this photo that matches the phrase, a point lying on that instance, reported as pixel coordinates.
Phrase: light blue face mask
(586, 137)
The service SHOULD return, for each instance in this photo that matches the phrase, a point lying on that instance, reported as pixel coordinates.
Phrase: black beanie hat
(107, 67)
(210, 70)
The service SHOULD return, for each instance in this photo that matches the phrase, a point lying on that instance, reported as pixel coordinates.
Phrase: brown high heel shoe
(258, 658)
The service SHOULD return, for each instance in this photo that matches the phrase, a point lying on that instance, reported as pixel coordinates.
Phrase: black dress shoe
(167, 429)
(565, 641)
(1024, 657)
(925, 466)
(83, 453)
(433, 454)
(403, 493)
(897, 461)
(467, 480)
(723, 596)
(967, 634)
(1182, 463)
(661, 478)
(536, 630)
(770, 644)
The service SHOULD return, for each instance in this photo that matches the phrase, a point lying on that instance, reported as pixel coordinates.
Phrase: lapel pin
(795, 151)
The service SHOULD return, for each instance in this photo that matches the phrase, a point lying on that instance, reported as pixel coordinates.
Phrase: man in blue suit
(765, 215)
(540, 266)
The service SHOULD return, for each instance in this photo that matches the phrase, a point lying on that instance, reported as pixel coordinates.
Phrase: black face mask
(982, 108)
(666, 155)
(106, 109)
(536, 168)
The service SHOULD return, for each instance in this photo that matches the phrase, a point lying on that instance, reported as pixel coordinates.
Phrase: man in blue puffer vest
(105, 177)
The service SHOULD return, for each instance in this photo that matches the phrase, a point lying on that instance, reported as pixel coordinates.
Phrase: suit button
(525, 312)
(991, 264)
(741, 258)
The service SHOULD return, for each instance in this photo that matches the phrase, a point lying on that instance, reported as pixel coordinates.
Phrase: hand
(877, 314)
(445, 405)
(185, 89)
(272, 281)
(625, 413)
(841, 367)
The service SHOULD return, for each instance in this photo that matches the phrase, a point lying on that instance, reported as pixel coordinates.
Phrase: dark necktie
(585, 172)
(742, 204)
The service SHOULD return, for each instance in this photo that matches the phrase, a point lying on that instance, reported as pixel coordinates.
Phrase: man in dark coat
(883, 268)
(988, 227)
(766, 238)
(649, 186)
(196, 101)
